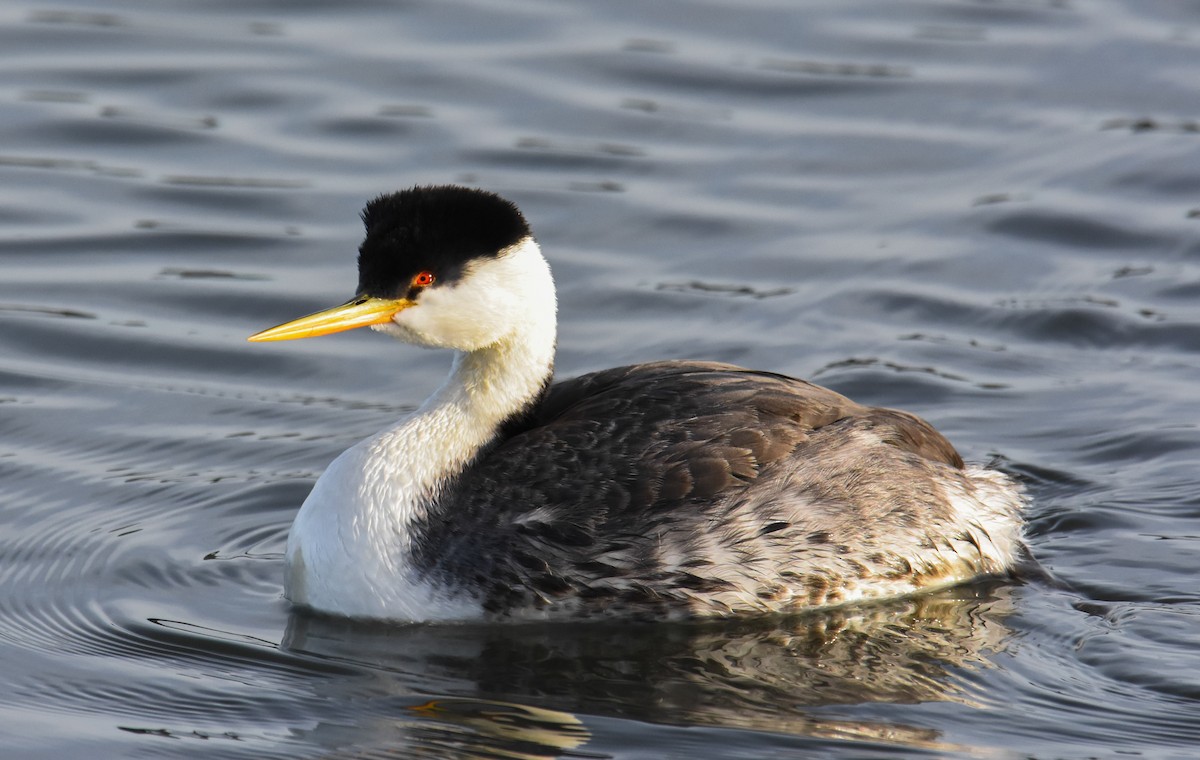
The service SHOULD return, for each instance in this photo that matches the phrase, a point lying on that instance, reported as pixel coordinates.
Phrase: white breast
(348, 552)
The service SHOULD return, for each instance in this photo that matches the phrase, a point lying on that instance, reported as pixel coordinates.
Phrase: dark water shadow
(535, 690)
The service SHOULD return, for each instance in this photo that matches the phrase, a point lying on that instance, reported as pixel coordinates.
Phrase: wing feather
(637, 473)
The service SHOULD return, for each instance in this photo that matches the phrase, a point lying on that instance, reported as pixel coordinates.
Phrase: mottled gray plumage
(680, 488)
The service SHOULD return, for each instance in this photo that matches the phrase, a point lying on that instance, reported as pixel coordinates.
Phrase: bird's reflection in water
(526, 691)
(486, 728)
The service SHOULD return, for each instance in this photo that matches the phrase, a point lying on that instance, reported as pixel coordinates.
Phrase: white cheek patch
(493, 299)
(467, 316)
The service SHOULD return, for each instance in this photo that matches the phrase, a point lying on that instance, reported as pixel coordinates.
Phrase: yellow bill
(359, 311)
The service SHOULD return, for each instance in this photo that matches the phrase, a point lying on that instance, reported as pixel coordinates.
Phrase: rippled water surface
(986, 212)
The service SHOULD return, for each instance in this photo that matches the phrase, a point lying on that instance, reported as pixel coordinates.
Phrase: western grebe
(666, 490)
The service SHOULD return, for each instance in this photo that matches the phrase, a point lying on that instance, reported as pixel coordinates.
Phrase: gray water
(985, 212)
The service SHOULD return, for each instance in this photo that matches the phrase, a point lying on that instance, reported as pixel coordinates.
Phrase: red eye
(423, 279)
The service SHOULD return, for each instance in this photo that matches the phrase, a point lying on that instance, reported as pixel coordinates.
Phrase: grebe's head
(447, 266)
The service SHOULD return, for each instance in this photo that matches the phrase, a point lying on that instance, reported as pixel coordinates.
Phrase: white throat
(349, 551)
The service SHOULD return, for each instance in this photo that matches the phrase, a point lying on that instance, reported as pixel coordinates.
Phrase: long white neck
(487, 386)
(349, 549)
(505, 310)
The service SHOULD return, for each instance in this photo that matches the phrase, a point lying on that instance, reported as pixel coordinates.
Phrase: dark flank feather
(657, 488)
